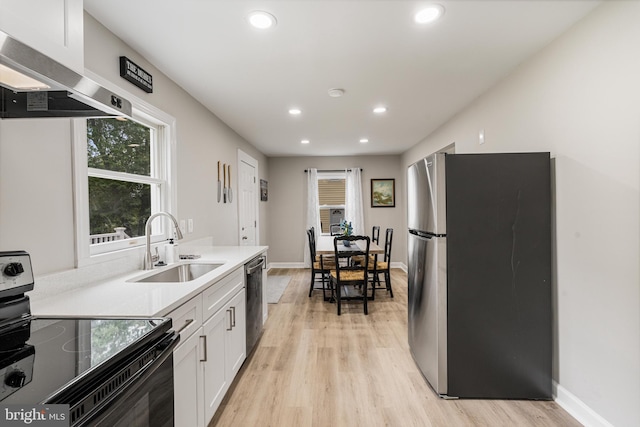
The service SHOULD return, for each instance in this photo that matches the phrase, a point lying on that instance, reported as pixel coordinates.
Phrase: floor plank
(314, 368)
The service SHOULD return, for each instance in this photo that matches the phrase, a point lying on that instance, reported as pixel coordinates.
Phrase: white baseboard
(402, 266)
(577, 408)
(285, 265)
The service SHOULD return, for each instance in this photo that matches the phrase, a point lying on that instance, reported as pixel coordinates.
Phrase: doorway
(248, 226)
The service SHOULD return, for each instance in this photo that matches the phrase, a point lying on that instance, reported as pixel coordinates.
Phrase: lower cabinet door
(235, 340)
(187, 382)
(215, 377)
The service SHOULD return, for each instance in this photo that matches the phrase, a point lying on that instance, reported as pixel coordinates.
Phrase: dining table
(324, 246)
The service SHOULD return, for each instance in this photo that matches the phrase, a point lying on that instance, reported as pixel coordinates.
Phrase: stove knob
(13, 269)
(15, 379)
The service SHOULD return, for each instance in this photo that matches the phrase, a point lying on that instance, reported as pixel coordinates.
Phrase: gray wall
(203, 139)
(288, 197)
(579, 98)
(36, 189)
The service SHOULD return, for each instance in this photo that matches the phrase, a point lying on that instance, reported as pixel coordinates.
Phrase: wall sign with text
(136, 75)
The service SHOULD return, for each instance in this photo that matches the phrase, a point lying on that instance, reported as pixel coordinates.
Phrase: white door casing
(247, 200)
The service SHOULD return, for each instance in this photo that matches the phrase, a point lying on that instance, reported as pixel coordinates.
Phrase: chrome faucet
(148, 258)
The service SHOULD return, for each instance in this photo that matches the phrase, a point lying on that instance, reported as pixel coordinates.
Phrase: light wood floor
(313, 368)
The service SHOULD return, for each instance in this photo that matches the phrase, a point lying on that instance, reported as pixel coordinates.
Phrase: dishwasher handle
(253, 268)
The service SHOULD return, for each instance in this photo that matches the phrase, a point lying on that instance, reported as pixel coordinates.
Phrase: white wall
(36, 199)
(36, 191)
(288, 196)
(579, 98)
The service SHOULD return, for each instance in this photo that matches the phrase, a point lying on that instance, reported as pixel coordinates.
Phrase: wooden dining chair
(320, 265)
(349, 280)
(328, 259)
(375, 238)
(378, 268)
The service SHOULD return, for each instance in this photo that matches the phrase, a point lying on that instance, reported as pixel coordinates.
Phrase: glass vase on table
(347, 230)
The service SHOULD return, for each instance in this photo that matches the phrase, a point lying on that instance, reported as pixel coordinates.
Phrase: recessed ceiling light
(304, 141)
(380, 110)
(336, 93)
(295, 111)
(364, 140)
(261, 19)
(429, 14)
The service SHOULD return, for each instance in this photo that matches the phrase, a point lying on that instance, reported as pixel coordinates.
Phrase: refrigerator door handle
(425, 234)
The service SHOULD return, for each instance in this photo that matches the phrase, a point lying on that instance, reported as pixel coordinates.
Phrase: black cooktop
(41, 357)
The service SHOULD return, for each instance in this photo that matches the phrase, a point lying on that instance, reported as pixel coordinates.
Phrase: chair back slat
(312, 245)
(313, 239)
(388, 238)
(375, 234)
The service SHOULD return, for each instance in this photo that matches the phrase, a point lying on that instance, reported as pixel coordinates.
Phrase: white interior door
(247, 200)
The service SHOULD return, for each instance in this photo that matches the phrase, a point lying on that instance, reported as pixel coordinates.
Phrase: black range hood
(34, 85)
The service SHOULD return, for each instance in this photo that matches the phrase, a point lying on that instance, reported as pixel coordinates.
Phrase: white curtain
(354, 210)
(313, 219)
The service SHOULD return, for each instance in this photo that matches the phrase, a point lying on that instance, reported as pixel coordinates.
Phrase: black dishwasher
(253, 274)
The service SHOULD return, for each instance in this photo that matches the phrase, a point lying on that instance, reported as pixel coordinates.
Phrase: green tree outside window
(121, 146)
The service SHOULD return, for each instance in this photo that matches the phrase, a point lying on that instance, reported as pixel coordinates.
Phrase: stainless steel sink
(179, 273)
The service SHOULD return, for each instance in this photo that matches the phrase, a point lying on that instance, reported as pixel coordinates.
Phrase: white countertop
(118, 297)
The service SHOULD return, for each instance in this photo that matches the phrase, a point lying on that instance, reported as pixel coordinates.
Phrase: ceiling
(250, 78)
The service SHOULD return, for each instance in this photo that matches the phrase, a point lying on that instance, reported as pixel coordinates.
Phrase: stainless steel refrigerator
(479, 274)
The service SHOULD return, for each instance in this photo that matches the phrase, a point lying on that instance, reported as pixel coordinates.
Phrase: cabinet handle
(186, 323)
(233, 322)
(230, 320)
(203, 340)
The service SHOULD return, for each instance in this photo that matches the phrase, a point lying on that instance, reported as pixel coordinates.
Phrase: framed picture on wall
(264, 192)
(383, 193)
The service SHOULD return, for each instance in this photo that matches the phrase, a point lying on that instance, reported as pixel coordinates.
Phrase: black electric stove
(85, 363)
(41, 357)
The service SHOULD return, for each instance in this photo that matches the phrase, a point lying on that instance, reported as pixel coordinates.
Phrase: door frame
(244, 157)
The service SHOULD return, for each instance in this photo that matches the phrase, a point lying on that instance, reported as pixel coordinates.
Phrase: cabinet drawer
(219, 293)
(187, 317)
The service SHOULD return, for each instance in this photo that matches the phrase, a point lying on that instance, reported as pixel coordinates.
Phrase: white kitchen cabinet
(225, 351)
(213, 350)
(216, 381)
(53, 27)
(187, 377)
(235, 339)
(188, 383)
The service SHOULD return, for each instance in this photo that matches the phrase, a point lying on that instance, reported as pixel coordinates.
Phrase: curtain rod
(333, 170)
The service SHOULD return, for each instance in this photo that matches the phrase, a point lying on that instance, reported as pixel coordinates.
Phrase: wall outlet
(183, 226)
(481, 136)
(190, 225)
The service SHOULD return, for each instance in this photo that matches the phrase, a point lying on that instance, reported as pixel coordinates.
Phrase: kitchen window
(123, 171)
(331, 199)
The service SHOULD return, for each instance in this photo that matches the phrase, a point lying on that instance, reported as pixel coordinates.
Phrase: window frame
(165, 199)
(327, 176)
